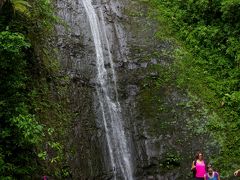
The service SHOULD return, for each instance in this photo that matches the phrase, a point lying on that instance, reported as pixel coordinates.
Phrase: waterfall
(118, 149)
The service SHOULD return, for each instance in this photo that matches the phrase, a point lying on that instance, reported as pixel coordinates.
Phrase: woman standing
(211, 174)
(199, 166)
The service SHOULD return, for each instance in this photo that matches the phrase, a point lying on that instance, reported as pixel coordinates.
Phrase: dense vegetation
(26, 68)
(207, 64)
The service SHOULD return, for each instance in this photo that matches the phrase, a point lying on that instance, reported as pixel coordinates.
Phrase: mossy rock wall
(159, 117)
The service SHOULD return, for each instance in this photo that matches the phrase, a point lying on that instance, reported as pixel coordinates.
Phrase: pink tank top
(201, 169)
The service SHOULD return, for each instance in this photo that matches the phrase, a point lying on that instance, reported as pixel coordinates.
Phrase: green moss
(206, 65)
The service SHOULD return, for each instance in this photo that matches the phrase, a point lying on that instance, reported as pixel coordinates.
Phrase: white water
(119, 152)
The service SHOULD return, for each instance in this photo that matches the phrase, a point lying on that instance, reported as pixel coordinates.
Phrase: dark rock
(155, 125)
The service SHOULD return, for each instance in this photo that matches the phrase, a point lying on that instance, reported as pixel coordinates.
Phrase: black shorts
(197, 178)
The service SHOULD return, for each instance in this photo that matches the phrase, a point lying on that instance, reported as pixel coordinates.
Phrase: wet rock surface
(155, 119)
(77, 58)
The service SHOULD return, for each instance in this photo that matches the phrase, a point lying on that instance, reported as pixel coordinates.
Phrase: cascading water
(119, 152)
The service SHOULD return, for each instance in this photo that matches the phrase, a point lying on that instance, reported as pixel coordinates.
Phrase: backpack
(194, 171)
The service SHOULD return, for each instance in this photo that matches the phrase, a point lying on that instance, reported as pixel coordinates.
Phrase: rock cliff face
(157, 119)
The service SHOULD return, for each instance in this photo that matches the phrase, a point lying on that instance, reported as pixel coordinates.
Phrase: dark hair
(209, 167)
(197, 155)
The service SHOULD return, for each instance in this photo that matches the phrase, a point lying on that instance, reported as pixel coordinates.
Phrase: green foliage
(28, 128)
(19, 130)
(12, 42)
(21, 6)
(170, 161)
(24, 28)
(207, 34)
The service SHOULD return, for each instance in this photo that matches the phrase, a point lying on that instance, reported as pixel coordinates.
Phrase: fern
(21, 6)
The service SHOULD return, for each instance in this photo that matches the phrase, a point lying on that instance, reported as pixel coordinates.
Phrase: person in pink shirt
(199, 166)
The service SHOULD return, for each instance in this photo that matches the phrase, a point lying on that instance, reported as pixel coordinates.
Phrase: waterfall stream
(118, 149)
